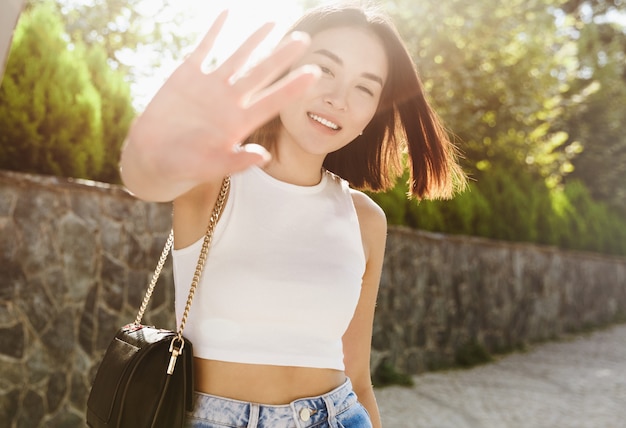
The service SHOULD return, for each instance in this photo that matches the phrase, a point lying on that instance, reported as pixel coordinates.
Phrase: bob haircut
(404, 121)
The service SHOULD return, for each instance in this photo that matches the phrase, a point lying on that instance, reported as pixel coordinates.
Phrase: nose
(337, 97)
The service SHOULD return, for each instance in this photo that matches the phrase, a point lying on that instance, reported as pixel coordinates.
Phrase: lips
(323, 121)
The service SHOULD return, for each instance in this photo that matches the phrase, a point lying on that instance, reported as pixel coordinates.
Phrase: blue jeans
(337, 409)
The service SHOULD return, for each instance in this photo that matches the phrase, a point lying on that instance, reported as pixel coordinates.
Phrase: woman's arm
(190, 132)
(357, 340)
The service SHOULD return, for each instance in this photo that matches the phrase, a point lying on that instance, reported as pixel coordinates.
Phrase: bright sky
(244, 17)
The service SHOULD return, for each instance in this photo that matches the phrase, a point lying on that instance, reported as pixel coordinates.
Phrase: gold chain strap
(155, 277)
(208, 236)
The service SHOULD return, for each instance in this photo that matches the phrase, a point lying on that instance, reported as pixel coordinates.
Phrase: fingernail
(300, 36)
(257, 150)
(311, 69)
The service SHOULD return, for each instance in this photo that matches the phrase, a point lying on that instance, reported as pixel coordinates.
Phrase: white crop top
(282, 278)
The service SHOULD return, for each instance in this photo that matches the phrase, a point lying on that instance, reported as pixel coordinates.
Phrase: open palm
(195, 122)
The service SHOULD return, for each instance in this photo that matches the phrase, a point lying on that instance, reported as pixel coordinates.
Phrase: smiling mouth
(327, 123)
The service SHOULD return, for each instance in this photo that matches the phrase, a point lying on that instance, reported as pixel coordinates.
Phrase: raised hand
(190, 132)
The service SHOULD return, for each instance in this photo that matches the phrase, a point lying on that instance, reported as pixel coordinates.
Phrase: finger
(268, 103)
(270, 68)
(257, 152)
(247, 156)
(204, 47)
(239, 58)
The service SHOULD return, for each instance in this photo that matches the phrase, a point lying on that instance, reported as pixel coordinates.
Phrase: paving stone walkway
(575, 383)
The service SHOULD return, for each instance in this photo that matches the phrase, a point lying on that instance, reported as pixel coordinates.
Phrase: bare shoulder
(368, 211)
(372, 220)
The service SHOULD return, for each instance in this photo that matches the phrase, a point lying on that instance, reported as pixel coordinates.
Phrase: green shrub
(515, 206)
(472, 354)
(63, 111)
(117, 111)
(50, 119)
(386, 375)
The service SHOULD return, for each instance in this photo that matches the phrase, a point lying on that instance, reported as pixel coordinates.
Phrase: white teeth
(324, 122)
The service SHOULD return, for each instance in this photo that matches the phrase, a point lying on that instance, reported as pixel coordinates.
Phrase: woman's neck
(291, 164)
(294, 173)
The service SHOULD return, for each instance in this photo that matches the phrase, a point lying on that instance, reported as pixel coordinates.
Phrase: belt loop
(253, 417)
(330, 408)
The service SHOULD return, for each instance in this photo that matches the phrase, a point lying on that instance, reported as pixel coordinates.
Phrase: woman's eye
(326, 70)
(366, 90)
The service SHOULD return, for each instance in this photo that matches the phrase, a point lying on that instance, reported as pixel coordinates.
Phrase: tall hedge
(58, 115)
(513, 206)
(117, 111)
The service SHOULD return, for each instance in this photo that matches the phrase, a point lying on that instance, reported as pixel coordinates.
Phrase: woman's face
(341, 104)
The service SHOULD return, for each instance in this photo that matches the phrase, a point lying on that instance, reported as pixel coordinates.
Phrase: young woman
(283, 314)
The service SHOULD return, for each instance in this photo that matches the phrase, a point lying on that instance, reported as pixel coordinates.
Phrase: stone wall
(440, 294)
(75, 258)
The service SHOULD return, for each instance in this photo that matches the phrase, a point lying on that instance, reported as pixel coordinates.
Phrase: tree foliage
(123, 26)
(62, 109)
(525, 86)
(117, 112)
(597, 7)
(596, 124)
(50, 119)
(492, 70)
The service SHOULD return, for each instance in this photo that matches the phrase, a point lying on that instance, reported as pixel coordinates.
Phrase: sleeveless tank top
(282, 278)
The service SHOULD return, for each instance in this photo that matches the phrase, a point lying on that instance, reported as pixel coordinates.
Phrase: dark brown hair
(404, 120)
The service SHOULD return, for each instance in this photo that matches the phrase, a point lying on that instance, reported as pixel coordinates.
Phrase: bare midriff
(264, 384)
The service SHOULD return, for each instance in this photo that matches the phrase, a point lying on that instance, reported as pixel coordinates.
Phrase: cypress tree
(50, 112)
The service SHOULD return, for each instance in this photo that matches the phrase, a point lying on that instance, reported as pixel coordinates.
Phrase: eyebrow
(339, 61)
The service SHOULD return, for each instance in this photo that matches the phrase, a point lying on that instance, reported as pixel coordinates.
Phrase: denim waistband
(302, 413)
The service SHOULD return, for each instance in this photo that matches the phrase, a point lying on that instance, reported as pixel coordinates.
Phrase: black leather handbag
(145, 379)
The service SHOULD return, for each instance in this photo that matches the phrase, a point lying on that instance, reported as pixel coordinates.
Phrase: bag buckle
(175, 351)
